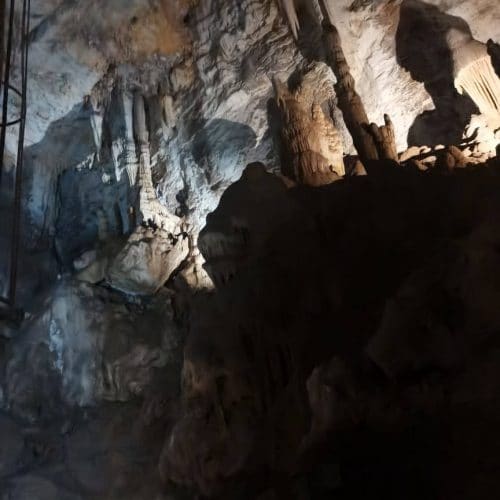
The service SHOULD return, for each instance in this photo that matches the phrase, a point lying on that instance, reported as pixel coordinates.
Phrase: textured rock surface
(208, 106)
(365, 307)
(147, 260)
(86, 345)
(312, 151)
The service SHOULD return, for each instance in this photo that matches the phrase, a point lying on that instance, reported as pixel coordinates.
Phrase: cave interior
(250, 249)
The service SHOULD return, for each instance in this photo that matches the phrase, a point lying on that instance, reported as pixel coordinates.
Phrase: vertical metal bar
(6, 80)
(16, 226)
(2, 37)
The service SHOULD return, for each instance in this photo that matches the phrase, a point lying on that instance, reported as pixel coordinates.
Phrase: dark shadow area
(67, 142)
(87, 208)
(422, 49)
(343, 328)
(275, 127)
(494, 52)
(6, 215)
(310, 34)
(220, 145)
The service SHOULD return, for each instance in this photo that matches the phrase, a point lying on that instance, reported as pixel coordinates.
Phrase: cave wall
(203, 72)
(210, 86)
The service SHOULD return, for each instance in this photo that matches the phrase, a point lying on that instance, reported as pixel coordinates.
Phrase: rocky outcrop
(87, 346)
(158, 246)
(322, 358)
(233, 236)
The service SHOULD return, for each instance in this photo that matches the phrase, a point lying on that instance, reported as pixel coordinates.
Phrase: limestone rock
(86, 346)
(311, 145)
(147, 260)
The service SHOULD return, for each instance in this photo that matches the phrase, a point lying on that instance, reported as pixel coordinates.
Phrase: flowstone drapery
(311, 145)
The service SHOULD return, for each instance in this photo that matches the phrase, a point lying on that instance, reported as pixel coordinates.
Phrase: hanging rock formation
(475, 75)
(159, 243)
(311, 146)
(290, 9)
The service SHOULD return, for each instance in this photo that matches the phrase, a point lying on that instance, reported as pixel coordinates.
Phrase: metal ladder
(14, 27)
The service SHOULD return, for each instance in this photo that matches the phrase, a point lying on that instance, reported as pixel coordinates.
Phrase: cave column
(371, 141)
(349, 101)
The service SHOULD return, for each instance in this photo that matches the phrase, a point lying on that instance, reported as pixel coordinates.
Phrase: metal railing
(15, 25)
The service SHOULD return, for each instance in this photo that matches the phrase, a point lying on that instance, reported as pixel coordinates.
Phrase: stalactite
(476, 77)
(140, 128)
(291, 14)
(130, 153)
(290, 10)
(96, 121)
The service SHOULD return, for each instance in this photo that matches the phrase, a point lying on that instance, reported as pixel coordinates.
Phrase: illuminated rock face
(206, 106)
(142, 115)
(312, 151)
(159, 244)
(147, 260)
(479, 80)
(476, 77)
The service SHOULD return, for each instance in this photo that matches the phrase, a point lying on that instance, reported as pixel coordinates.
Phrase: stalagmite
(349, 100)
(475, 76)
(385, 139)
(371, 141)
(159, 244)
(311, 145)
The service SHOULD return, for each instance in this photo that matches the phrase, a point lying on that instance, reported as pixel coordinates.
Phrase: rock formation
(349, 346)
(290, 10)
(159, 244)
(311, 145)
(254, 403)
(233, 236)
(474, 74)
